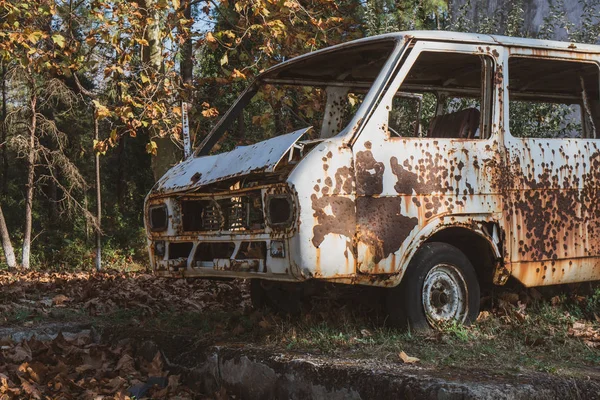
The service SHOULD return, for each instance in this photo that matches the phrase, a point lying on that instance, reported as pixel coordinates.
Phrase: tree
(40, 58)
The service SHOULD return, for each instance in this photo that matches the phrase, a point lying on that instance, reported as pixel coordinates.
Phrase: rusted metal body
(355, 206)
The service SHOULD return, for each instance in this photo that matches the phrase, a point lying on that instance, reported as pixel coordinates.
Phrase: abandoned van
(428, 163)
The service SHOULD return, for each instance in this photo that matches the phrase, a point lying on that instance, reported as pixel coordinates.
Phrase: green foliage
(543, 120)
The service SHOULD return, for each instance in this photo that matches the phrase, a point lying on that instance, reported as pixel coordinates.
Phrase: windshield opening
(324, 91)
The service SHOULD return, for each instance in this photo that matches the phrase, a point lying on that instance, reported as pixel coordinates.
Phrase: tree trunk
(152, 53)
(3, 131)
(30, 180)
(9, 252)
(167, 154)
(187, 60)
(98, 204)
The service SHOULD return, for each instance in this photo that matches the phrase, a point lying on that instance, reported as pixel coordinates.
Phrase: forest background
(91, 94)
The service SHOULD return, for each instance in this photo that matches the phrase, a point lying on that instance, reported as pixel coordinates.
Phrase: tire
(283, 298)
(440, 285)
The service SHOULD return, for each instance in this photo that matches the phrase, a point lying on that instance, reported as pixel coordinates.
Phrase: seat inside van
(461, 124)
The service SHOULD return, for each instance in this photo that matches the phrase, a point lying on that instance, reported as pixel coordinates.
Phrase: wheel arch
(478, 238)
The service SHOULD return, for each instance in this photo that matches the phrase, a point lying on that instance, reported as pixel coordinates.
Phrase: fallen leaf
(21, 353)
(578, 325)
(408, 359)
(365, 333)
(156, 366)
(31, 389)
(126, 365)
(60, 299)
(80, 369)
(556, 300)
(483, 316)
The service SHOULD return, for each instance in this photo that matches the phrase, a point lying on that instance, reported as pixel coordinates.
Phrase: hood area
(196, 172)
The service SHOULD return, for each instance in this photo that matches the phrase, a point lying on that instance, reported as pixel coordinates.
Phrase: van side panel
(553, 207)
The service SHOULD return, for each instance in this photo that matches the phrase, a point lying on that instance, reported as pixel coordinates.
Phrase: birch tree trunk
(9, 252)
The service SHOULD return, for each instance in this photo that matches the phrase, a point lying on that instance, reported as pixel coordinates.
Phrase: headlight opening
(158, 218)
(279, 210)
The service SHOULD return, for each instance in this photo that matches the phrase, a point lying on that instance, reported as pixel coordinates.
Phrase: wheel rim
(445, 294)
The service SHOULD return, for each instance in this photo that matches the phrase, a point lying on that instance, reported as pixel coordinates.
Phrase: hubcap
(445, 294)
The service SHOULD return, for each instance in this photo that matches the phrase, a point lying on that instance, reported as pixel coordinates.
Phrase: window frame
(405, 64)
(553, 55)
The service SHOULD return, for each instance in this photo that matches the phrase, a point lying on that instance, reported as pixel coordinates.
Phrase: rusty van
(426, 162)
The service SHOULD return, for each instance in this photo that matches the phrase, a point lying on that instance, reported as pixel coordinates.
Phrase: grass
(535, 340)
(507, 339)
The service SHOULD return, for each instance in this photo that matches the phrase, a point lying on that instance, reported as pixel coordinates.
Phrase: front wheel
(440, 285)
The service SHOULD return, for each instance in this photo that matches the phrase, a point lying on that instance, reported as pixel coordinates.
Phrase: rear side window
(550, 98)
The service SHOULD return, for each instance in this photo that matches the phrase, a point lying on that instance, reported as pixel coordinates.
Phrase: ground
(133, 334)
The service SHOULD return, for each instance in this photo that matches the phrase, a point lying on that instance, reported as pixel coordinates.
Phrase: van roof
(449, 36)
(496, 40)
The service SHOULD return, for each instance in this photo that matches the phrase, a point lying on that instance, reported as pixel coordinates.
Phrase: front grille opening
(158, 218)
(208, 251)
(180, 250)
(200, 215)
(280, 210)
(252, 250)
(242, 213)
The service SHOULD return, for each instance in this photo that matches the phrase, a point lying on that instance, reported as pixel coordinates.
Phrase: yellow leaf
(237, 74)
(34, 37)
(210, 113)
(144, 78)
(224, 59)
(100, 146)
(352, 99)
(210, 38)
(101, 111)
(176, 4)
(151, 147)
(59, 40)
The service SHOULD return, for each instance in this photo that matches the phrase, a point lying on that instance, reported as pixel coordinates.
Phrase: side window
(410, 112)
(444, 95)
(550, 98)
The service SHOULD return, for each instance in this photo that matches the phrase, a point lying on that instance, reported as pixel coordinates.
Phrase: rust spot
(381, 226)
(196, 177)
(335, 215)
(344, 180)
(369, 173)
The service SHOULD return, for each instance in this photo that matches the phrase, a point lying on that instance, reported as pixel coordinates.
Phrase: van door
(553, 167)
(416, 164)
